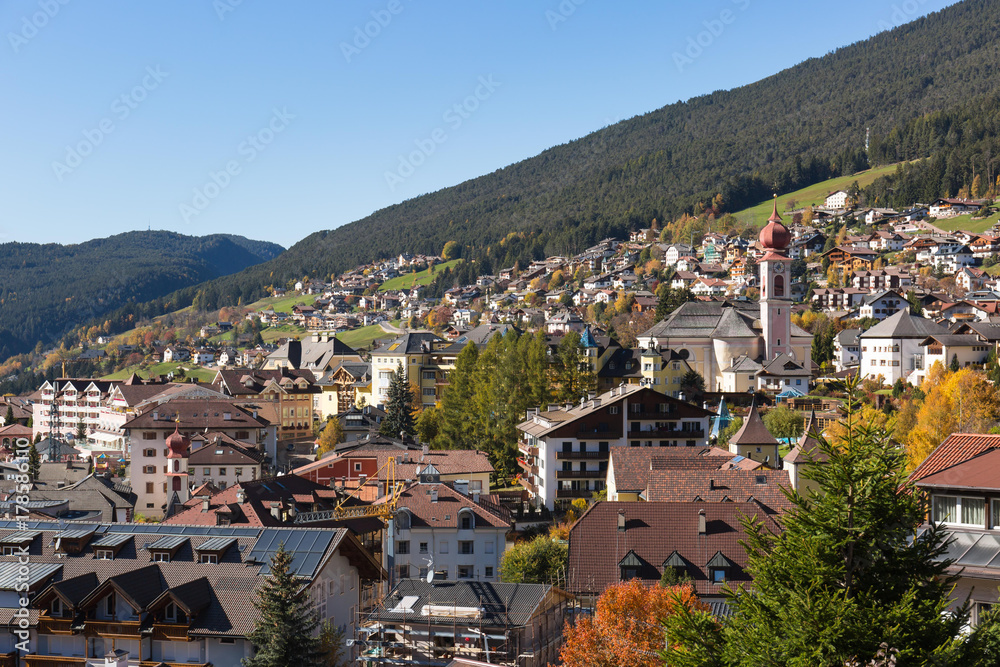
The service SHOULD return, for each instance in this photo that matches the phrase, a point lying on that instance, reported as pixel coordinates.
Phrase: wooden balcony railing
(581, 474)
(124, 629)
(168, 632)
(35, 660)
(55, 626)
(582, 455)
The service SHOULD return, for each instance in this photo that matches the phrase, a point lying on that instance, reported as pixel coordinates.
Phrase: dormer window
(109, 606)
(161, 556)
(174, 614)
(104, 554)
(56, 608)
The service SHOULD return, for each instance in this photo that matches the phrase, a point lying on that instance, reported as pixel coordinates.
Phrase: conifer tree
(285, 634)
(848, 574)
(456, 402)
(9, 417)
(399, 406)
(34, 461)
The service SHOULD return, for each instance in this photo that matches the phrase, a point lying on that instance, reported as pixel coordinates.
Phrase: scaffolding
(439, 632)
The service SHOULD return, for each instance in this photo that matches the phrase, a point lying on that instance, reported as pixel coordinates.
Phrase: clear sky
(276, 119)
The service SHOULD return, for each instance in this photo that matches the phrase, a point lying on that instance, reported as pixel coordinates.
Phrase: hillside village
(677, 388)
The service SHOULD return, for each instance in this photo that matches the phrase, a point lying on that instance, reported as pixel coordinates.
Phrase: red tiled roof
(426, 513)
(979, 472)
(447, 461)
(631, 465)
(654, 531)
(956, 448)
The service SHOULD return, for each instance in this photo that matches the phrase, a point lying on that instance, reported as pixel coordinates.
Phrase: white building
(838, 199)
(892, 348)
(439, 526)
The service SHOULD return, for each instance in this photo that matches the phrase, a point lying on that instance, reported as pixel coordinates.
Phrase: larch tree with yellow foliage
(960, 401)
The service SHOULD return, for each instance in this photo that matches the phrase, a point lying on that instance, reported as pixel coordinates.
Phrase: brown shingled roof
(753, 431)
(731, 485)
(426, 513)
(631, 465)
(653, 532)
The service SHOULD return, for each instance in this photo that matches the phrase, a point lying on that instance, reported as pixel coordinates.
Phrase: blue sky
(275, 120)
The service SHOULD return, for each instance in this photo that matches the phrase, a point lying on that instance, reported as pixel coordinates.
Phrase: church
(738, 345)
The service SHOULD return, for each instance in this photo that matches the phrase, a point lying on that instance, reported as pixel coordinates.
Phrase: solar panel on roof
(307, 548)
(11, 575)
(216, 544)
(74, 534)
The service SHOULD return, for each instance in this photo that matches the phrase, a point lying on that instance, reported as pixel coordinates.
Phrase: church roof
(715, 319)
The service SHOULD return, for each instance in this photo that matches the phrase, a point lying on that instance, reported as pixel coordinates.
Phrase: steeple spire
(774, 213)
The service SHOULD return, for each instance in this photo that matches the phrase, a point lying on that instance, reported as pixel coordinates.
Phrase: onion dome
(775, 236)
(178, 444)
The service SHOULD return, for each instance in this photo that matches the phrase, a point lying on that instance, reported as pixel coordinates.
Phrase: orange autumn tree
(627, 626)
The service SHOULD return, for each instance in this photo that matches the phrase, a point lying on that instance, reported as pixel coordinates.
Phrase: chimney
(241, 496)
(434, 495)
(553, 407)
(206, 503)
(424, 450)
(462, 486)
(597, 402)
(591, 395)
(116, 658)
(621, 520)
(276, 510)
(702, 528)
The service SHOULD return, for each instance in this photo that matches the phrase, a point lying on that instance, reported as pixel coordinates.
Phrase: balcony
(531, 488)
(170, 632)
(55, 626)
(678, 434)
(527, 467)
(35, 660)
(574, 493)
(581, 474)
(597, 434)
(582, 455)
(124, 629)
(525, 449)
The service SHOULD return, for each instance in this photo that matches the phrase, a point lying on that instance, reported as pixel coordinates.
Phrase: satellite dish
(430, 576)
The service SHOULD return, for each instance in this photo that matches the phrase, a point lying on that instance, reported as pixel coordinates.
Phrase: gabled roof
(956, 449)
(904, 325)
(631, 466)
(807, 450)
(731, 485)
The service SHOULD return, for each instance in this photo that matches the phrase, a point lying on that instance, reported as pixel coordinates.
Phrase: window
(357, 467)
(222, 472)
(209, 559)
(443, 548)
(465, 548)
(238, 472)
(109, 605)
(466, 522)
(428, 391)
(149, 489)
(104, 554)
(428, 375)
(170, 612)
(149, 470)
(402, 546)
(10, 551)
(613, 410)
(404, 570)
(149, 435)
(717, 575)
(961, 510)
(149, 452)
(489, 547)
(57, 608)
(464, 572)
(243, 435)
(206, 471)
(161, 556)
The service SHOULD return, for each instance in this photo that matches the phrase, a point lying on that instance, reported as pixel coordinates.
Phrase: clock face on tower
(779, 267)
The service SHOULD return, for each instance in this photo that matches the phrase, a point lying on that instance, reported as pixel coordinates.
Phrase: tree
(81, 430)
(398, 420)
(627, 626)
(285, 632)
(847, 574)
(9, 417)
(954, 365)
(332, 435)
(428, 424)
(783, 422)
(34, 459)
(452, 250)
(331, 640)
(692, 386)
(728, 432)
(456, 402)
(539, 561)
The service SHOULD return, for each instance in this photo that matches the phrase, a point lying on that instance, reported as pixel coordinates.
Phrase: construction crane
(385, 510)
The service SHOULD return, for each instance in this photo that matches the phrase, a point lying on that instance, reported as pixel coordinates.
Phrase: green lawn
(965, 223)
(419, 278)
(363, 337)
(272, 334)
(811, 195)
(283, 304)
(202, 374)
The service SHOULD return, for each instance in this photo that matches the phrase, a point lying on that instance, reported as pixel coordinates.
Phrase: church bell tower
(775, 287)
